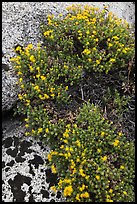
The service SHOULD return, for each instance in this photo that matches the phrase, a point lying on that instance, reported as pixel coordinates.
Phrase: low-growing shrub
(95, 163)
(93, 38)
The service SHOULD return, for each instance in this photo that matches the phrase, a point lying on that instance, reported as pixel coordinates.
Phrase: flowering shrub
(94, 161)
(95, 39)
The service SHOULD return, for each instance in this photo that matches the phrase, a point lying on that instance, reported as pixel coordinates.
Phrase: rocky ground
(25, 174)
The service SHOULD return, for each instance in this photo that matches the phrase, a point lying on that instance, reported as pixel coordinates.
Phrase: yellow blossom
(102, 133)
(97, 61)
(49, 157)
(112, 60)
(46, 96)
(20, 79)
(43, 78)
(99, 150)
(65, 134)
(84, 195)
(40, 130)
(120, 134)
(27, 125)
(89, 59)
(68, 191)
(52, 95)
(78, 197)
(20, 96)
(32, 58)
(110, 44)
(53, 188)
(116, 142)
(66, 88)
(86, 51)
(53, 168)
(122, 167)
(47, 130)
(97, 177)
(78, 143)
(104, 158)
(111, 190)
(82, 187)
(19, 73)
(81, 171)
(124, 192)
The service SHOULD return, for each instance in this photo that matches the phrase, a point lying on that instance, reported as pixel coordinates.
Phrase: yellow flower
(109, 200)
(19, 73)
(102, 133)
(81, 171)
(65, 134)
(120, 134)
(38, 76)
(26, 119)
(84, 195)
(33, 131)
(66, 88)
(104, 158)
(29, 47)
(124, 192)
(26, 125)
(78, 143)
(32, 58)
(53, 168)
(68, 191)
(122, 167)
(116, 142)
(49, 157)
(65, 141)
(110, 191)
(40, 130)
(87, 32)
(82, 187)
(52, 95)
(27, 102)
(112, 60)
(110, 44)
(47, 130)
(94, 32)
(53, 188)
(99, 150)
(77, 197)
(27, 133)
(46, 96)
(86, 51)
(89, 59)
(62, 146)
(20, 96)
(43, 78)
(47, 33)
(115, 38)
(97, 177)
(97, 61)
(20, 79)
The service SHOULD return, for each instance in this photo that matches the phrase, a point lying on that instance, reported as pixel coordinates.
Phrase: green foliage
(118, 103)
(97, 40)
(94, 162)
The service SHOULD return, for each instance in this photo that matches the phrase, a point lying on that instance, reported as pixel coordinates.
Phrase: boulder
(9, 90)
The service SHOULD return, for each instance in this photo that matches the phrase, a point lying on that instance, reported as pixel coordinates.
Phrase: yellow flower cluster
(68, 191)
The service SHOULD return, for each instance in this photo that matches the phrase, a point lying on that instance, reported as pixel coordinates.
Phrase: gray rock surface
(9, 90)
(25, 176)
